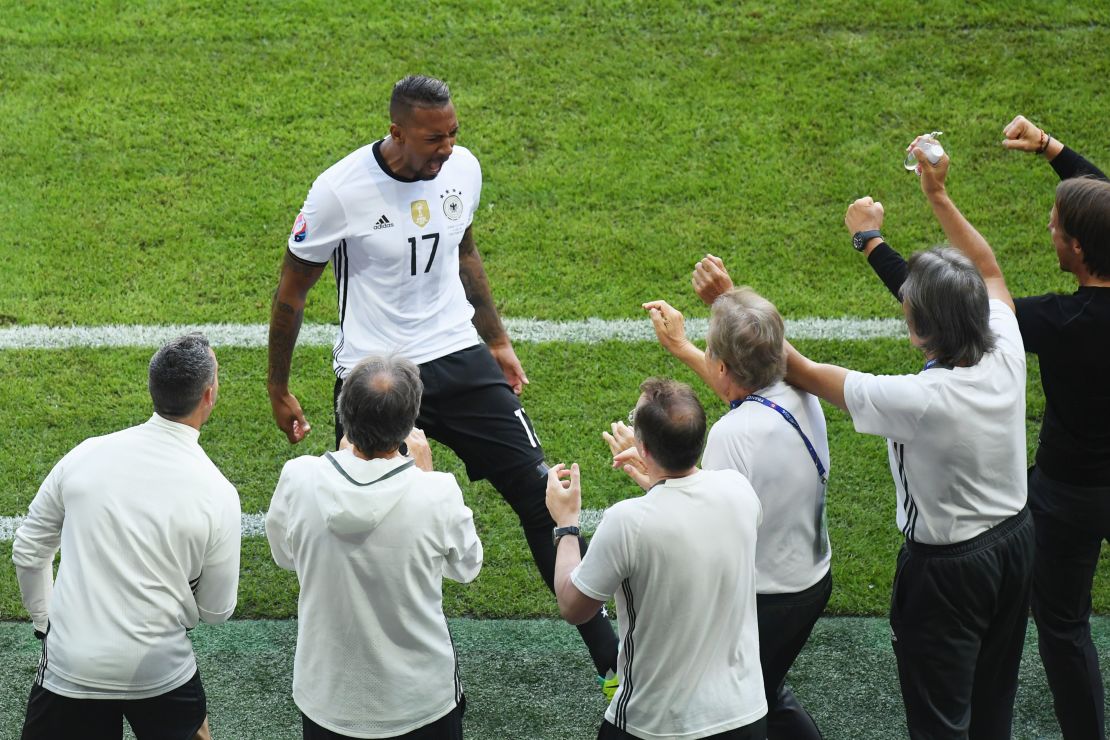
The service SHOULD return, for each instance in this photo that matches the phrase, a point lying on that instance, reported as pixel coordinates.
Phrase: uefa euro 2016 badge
(420, 213)
(452, 204)
(300, 228)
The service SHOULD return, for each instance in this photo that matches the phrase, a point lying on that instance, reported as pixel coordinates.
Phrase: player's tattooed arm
(486, 320)
(286, 315)
(476, 285)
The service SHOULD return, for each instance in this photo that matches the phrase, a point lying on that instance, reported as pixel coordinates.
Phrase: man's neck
(391, 155)
(657, 476)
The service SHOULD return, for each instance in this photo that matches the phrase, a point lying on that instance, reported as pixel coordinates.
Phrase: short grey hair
(746, 333)
(379, 403)
(417, 91)
(947, 306)
(179, 374)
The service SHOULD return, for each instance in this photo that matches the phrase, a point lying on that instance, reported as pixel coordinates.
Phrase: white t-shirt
(149, 532)
(681, 562)
(793, 550)
(956, 438)
(374, 655)
(394, 247)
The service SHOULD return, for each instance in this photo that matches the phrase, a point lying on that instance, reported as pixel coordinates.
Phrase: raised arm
(486, 319)
(958, 229)
(670, 329)
(286, 315)
(823, 381)
(865, 215)
(564, 502)
(1024, 136)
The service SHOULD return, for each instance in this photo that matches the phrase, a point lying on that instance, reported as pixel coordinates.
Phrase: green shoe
(608, 684)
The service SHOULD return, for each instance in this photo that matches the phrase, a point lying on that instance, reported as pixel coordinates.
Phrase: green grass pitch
(155, 154)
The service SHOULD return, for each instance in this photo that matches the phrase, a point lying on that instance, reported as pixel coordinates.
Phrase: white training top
(793, 550)
(394, 247)
(149, 533)
(371, 542)
(956, 438)
(681, 562)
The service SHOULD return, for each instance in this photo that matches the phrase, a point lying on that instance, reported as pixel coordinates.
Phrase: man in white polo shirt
(395, 221)
(775, 435)
(149, 534)
(681, 562)
(956, 447)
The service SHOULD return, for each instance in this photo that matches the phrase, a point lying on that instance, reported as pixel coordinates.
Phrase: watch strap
(860, 238)
(560, 532)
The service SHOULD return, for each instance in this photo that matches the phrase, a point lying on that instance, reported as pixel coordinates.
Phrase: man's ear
(396, 133)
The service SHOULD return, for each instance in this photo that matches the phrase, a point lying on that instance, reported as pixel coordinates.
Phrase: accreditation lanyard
(821, 542)
(821, 472)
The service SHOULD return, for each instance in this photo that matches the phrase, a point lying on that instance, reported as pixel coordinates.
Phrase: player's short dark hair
(417, 91)
(379, 402)
(746, 333)
(1083, 212)
(179, 373)
(948, 306)
(670, 423)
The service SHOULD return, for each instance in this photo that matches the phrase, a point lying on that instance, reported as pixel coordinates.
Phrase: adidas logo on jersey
(383, 223)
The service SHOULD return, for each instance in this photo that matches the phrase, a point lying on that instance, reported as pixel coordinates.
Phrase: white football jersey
(394, 247)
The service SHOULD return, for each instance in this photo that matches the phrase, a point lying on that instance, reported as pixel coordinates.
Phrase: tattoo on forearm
(476, 286)
(285, 325)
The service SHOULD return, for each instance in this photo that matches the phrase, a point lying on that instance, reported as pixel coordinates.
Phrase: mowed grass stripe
(254, 525)
(589, 331)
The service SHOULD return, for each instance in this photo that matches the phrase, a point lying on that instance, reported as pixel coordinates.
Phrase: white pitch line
(589, 331)
(254, 525)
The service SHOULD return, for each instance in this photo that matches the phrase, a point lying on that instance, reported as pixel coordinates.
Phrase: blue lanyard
(794, 423)
(936, 363)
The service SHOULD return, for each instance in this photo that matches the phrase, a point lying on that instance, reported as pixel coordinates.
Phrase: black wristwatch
(560, 532)
(860, 238)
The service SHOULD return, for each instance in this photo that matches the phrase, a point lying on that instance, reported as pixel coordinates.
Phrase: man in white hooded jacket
(371, 534)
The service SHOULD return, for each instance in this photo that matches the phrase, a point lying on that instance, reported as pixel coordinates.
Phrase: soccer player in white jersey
(680, 561)
(149, 534)
(394, 219)
(956, 447)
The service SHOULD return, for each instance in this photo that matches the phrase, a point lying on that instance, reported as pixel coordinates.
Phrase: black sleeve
(1035, 316)
(890, 267)
(1069, 163)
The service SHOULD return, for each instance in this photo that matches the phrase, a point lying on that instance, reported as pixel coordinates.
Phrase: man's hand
(510, 365)
(1022, 135)
(865, 214)
(621, 439)
(932, 175)
(289, 417)
(631, 463)
(564, 497)
(710, 279)
(669, 325)
(419, 450)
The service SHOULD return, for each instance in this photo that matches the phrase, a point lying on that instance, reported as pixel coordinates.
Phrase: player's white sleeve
(276, 520)
(889, 406)
(606, 562)
(463, 556)
(218, 587)
(1004, 324)
(320, 226)
(36, 543)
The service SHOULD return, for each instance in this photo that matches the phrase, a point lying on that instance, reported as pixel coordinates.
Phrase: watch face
(857, 241)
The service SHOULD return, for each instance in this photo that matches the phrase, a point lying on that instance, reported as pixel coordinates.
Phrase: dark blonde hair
(746, 333)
